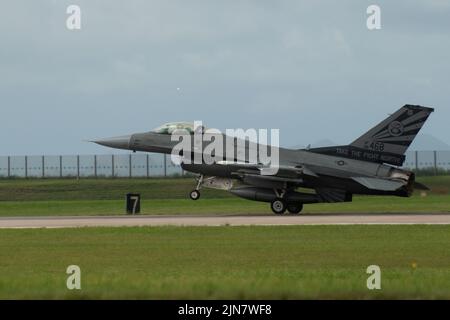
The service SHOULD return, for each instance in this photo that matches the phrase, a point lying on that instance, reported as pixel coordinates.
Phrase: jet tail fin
(396, 133)
(388, 141)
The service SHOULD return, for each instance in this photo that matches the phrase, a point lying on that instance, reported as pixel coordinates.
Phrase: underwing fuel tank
(268, 195)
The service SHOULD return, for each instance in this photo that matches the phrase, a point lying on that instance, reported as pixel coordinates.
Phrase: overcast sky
(310, 68)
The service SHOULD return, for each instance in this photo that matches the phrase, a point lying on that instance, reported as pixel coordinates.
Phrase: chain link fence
(81, 166)
(428, 161)
(153, 165)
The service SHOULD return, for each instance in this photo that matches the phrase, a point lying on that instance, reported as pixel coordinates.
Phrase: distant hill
(426, 142)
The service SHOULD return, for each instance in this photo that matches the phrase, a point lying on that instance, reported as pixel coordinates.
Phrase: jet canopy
(169, 128)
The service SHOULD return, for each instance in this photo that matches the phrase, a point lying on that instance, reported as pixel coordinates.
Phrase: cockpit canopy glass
(171, 127)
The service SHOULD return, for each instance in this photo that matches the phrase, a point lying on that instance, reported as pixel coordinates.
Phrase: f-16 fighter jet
(370, 165)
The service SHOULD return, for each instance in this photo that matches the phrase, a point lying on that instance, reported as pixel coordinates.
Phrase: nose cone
(122, 142)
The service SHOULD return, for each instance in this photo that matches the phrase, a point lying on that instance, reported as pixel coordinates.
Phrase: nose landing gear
(195, 194)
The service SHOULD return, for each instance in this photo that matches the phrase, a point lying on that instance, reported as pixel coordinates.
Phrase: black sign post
(133, 203)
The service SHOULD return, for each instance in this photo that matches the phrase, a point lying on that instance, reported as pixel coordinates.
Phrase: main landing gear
(195, 194)
(279, 206)
(295, 208)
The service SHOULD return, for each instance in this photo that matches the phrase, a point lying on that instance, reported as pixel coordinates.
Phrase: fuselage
(369, 165)
(332, 171)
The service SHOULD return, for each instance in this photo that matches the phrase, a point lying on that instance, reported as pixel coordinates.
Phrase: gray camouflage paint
(335, 173)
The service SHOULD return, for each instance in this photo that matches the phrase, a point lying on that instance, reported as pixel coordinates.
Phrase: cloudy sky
(310, 68)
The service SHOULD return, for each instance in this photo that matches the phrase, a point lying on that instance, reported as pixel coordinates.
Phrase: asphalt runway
(220, 220)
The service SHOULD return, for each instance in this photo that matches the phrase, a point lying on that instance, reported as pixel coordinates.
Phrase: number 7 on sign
(135, 202)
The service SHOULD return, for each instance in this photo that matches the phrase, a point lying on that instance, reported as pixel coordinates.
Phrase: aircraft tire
(295, 208)
(278, 206)
(194, 195)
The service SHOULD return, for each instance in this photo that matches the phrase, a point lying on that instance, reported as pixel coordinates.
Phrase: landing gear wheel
(295, 208)
(194, 195)
(278, 206)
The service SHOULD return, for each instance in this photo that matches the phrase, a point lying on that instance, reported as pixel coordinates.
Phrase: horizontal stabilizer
(420, 186)
(379, 184)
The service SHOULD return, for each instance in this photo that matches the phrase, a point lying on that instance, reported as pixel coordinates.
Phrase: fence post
(435, 163)
(43, 166)
(60, 167)
(148, 164)
(165, 165)
(9, 167)
(112, 165)
(26, 167)
(78, 166)
(95, 166)
(129, 165)
(417, 160)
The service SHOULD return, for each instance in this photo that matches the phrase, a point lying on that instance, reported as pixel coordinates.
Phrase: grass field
(276, 262)
(19, 197)
(282, 262)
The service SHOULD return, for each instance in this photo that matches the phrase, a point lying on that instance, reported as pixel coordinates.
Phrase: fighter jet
(370, 165)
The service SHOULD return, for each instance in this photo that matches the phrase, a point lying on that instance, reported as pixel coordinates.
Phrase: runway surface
(217, 220)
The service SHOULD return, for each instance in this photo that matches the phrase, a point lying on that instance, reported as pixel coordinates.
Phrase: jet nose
(122, 142)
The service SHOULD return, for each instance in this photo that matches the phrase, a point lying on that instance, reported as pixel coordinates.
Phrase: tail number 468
(375, 146)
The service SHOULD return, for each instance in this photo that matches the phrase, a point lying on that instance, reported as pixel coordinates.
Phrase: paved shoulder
(317, 219)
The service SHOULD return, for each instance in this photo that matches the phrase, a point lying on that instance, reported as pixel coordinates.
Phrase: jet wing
(269, 172)
(330, 195)
(379, 184)
(258, 177)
